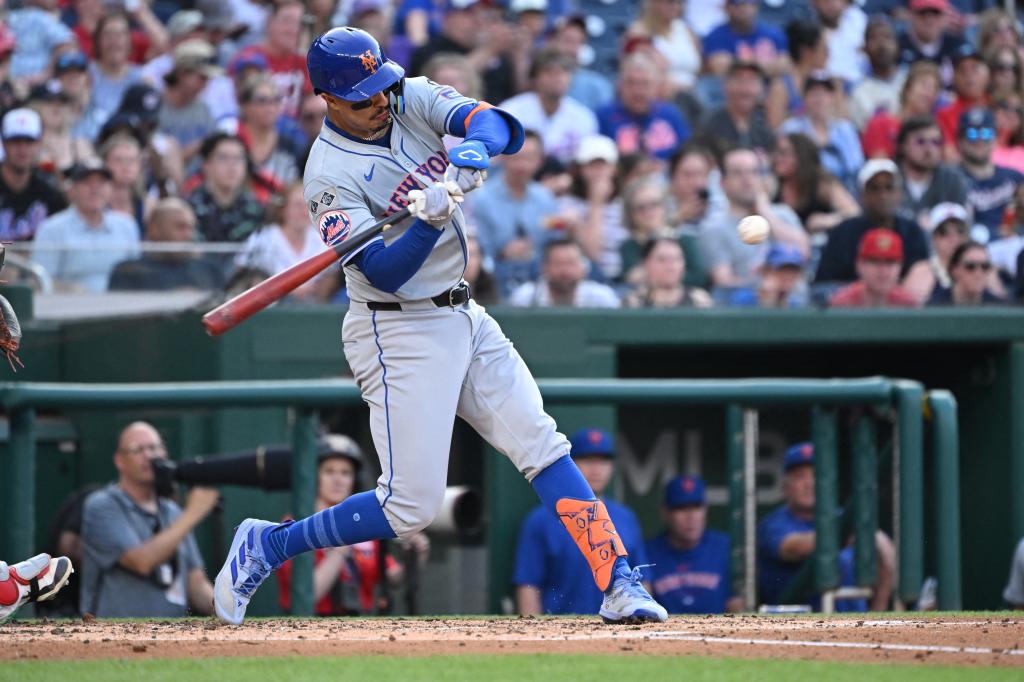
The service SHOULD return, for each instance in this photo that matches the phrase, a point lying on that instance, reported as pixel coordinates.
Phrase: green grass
(478, 668)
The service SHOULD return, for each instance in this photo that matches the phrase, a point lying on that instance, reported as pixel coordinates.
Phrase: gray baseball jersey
(350, 185)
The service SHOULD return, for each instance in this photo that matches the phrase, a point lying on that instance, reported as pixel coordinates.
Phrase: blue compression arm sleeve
(488, 127)
(389, 267)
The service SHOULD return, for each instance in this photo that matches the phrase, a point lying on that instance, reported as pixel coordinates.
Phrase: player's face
(798, 488)
(336, 478)
(686, 524)
(597, 470)
(362, 119)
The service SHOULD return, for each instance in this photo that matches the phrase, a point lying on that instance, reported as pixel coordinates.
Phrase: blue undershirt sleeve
(389, 267)
(488, 126)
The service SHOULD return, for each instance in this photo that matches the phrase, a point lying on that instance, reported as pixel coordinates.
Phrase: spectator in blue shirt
(745, 38)
(990, 188)
(551, 576)
(638, 120)
(786, 538)
(690, 571)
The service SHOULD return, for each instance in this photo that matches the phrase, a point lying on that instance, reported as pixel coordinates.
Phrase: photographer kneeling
(139, 556)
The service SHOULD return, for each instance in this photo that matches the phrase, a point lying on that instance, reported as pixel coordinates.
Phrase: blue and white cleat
(626, 601)
(244, 570)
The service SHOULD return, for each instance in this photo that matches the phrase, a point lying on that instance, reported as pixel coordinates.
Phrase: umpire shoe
(626, 601)
(37, 579)
(243, 571)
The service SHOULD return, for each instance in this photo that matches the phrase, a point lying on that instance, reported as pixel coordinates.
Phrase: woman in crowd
(919, 97)
(1004, 65)
(814, 195)
(289, 239)
(663, 267)
(274, 156)
(1009, 115)
(809, 52)
(112, 72)
(694, 192)
(122, 155)
(661, 21)
(969, 270)
(645, 212)
(60, 148)
(948, 224)
(996, 28)
(836, 138)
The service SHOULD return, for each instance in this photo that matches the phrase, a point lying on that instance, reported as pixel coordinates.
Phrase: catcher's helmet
(348, 63)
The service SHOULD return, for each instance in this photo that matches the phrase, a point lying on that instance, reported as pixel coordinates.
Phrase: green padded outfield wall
(979, 355)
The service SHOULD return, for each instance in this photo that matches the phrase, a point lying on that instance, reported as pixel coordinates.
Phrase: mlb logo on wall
(334, 226)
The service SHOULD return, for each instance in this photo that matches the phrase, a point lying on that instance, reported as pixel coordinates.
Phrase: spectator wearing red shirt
(345, 578)
(970, 83)
(280, 49)
(149, 38)
(878, 274)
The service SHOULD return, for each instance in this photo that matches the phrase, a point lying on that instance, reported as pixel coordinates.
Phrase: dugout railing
(740, 398)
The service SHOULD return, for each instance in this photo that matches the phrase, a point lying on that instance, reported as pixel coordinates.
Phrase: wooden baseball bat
(246, 304)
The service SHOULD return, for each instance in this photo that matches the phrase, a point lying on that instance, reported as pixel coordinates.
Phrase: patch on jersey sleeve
(334, 226)
(313, 207)
(327, 199)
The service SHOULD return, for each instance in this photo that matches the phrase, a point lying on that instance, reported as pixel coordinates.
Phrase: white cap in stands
(21, 124)
(873, 168)
(596, 148)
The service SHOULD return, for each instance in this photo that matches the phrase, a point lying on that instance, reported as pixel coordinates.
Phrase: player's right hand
(433, 205)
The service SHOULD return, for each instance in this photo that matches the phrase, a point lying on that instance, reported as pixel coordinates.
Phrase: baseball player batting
(421, 350)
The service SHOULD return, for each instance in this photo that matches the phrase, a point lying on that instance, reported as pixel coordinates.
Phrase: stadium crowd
(882, 140)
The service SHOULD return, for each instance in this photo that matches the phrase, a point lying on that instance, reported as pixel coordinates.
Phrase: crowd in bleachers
(155, 145)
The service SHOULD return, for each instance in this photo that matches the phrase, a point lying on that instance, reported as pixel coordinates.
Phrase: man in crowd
(184, 115)
(741, 121)
(881, 86)
(588, 87)
(844, 22)
(226, 210)
(927, 36)
(560, 120)
(550, 574)
(731, 262)
(970, 83)
(745, 38)
(690, 570)
(786, 539)
(80, 246)
(990, 188)
(880, 195)
(27, 196)
(878, 274)
(171, 220)
(509, 212)
(140, 558)
(563, 281)
(924, 180)
(638, 120)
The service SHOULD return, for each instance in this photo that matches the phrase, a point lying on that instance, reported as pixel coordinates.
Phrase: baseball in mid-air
(753, 229)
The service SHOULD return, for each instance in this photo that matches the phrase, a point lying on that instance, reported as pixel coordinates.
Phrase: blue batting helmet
(348, 63)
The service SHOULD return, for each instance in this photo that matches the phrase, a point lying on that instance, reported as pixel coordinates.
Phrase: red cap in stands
(918, 5)
(881, 244)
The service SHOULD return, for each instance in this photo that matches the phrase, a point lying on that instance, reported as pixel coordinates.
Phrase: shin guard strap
(594, 533)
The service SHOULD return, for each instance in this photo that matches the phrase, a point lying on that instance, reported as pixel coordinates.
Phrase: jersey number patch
(334, 226)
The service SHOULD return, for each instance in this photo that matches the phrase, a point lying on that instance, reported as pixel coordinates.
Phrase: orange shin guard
(594, 533)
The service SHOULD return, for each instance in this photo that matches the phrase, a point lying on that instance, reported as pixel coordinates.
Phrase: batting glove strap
(469, 154)
(433, 205)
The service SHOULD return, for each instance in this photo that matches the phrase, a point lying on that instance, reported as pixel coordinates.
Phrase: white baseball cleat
(243, 571)
(628, 602)
(37, 579)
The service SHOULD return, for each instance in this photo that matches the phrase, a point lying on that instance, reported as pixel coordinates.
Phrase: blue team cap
(784, 255)
(684, 491)
(592, 443)
(797, 455)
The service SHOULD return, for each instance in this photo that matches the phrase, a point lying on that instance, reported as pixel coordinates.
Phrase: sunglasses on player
(395, 89)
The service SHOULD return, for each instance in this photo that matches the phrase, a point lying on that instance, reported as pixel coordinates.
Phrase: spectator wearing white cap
(80, 246)
(880, 197)
(949, 226)
(560, 120)
(27, 196)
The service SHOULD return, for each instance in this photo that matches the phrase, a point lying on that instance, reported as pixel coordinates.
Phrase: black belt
(456, 296)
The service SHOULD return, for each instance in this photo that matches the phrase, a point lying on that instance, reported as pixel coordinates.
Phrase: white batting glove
(434, 204)
(462, 179)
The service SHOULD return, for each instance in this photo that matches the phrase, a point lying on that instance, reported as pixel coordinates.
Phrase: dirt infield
(967, 640)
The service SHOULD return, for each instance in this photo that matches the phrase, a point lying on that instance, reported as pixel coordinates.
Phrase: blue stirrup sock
(357, 519)
(561, 480)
